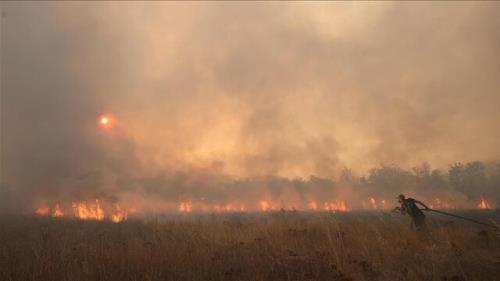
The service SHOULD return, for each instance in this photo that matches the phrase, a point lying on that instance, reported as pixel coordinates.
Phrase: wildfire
(384, 204)
(100, 210)
(185, 207)
(339, 206)
(227, 208)
(42, 211)
(484, 204)
(312, 205)
(438, 203)
(375, 204)
(86, 211)
(57, 211)
(119, 215)
(264, 205)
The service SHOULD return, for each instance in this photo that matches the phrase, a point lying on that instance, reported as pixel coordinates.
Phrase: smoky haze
(242, 101)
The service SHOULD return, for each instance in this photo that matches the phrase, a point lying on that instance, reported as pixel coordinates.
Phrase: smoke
(242, 101)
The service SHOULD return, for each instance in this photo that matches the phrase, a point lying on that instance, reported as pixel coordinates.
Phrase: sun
(106, 121)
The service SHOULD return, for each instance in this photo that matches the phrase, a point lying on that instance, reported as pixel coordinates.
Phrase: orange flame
(384, 204)
(312, 205)
(119, 215)
(57, 211)
(484, 204)
(102, 210)
(42, 211)
(438, 203)
(185, 207)
(264, 205)
(339, 206)
(87, 211)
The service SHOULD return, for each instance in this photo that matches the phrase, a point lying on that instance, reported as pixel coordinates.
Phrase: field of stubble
(268, 246)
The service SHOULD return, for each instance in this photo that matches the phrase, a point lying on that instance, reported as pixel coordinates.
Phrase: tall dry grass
(269, 246)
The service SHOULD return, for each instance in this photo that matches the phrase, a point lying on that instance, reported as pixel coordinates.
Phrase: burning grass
(250, 246)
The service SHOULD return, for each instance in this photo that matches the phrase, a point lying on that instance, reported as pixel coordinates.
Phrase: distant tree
(470, 179)
(493, 183)
(347, 176)
(390, 180)
(428, 181)
(438, 180)
(422, 171)
(321, 187)
(456, 176)
(422, 175)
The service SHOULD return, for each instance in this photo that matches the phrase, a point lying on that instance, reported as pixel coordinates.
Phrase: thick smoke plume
(240, 102)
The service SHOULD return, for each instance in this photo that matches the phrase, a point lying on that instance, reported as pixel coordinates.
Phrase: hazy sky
(243, 89)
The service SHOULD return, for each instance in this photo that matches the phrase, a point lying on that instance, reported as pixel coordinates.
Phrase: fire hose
(461, 217)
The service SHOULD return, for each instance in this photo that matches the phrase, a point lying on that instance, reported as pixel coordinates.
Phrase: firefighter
(409, 206)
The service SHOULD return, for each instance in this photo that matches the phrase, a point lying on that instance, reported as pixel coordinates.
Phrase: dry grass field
(265, 246)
